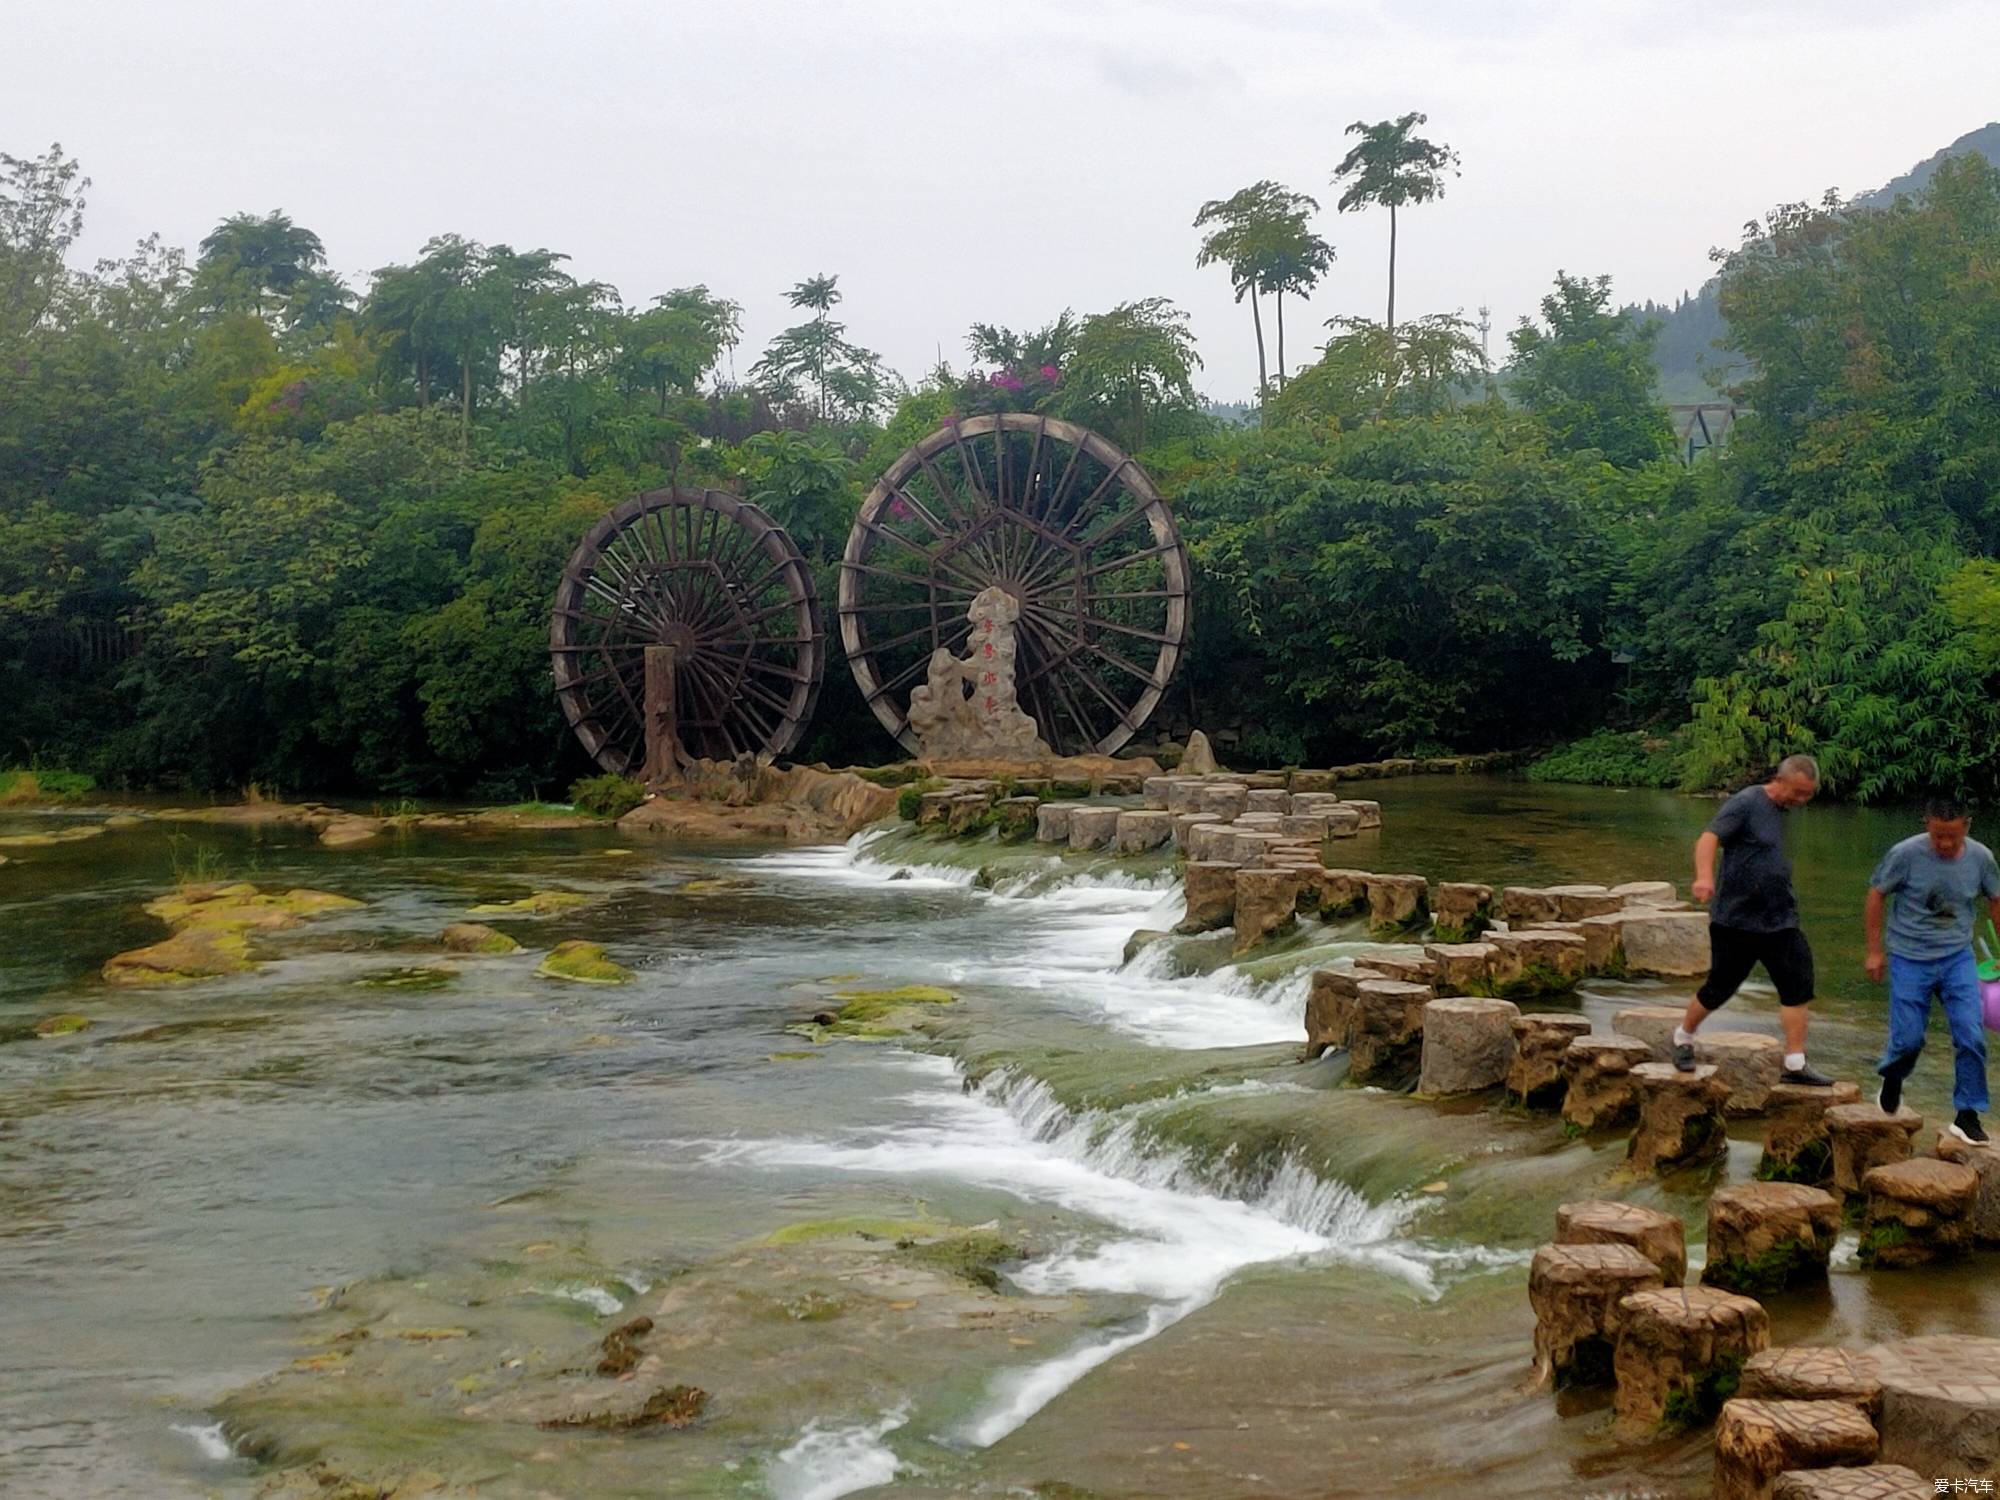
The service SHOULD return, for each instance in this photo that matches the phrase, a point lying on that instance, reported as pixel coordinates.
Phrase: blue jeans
(1955, 982)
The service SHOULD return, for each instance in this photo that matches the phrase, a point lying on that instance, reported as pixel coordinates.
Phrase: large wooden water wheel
(719, 581)
(1064, 522)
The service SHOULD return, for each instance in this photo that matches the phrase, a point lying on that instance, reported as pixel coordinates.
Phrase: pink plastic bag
(1989, 1002)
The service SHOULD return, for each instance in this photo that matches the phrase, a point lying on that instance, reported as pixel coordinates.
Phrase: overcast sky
(954, 161)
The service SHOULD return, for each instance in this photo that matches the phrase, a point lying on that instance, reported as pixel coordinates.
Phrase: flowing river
(369, 1212)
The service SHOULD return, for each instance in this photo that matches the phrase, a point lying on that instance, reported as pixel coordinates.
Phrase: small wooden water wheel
(720, 582)
(1064, 522)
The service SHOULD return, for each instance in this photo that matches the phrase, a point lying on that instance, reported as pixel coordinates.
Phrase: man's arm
(1876, 965)
(1704, 864)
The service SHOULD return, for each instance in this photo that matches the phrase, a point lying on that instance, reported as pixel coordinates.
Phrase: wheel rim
(714, 577)
(1062, 520)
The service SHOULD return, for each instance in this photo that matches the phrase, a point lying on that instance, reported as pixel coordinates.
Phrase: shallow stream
(373, 1207)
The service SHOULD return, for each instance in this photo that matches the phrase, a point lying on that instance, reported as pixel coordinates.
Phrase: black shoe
(1684, 1056)
(1806, 1076)
(1890, 1099)
(1968, 1129)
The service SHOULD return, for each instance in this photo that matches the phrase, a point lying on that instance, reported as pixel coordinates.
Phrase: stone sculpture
(967, 709)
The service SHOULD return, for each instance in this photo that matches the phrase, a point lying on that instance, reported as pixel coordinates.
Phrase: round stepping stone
(1941, 1403)
(1796, 1147)
(1536, 961)
(1093, 827)
(1231, 799)
(1681, 1350)
(1366, 814)
(1185, 825)
(1646, 893)
(1461, 909)
(1386, 1045)
(1052, 822)
(1602, 1092)
(1137, 831)
(1184, 795)
(1576, 1292)
(1468, 1045)
(1747, 1061)
(1657, 1236)
(1461, 968)
(1270, 800)
(1405, 964)
(1861, 1137)
(1209, 887)
(1396, 902)
(1522, 904)
(1330, 1008)
(1767, 1236)
(1680, 1118)
(1535, 1078)
(1756, 1441)
(1918, 1211)
(1875, 1482)
(1652, 1024)
(1156, 790)
(1823, 1373)
(1267, 905)
(1985, 1161)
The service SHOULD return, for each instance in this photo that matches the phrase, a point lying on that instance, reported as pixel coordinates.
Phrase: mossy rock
(419, 978)
(1783, 1265)
(1881, 1237)
(1695, 1403)
(195, 954)
(582, 962)
(63, 1025)
(1068, 791)
(1812, 1166)
(48, 840)
(878, 1015)
(901, 774)
(1536, 979)
(892, 1230)
(715, 884)
(540, 904)
(476, 937)
(974, 1256)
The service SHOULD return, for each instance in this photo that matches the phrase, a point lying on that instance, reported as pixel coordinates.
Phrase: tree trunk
(1280, 294)
(1392, 268)
(1257, 321)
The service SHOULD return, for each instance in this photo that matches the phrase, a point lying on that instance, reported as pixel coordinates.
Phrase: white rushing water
(1173, 1231)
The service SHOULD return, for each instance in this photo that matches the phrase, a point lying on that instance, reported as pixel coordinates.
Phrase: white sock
(1683, 1037)
(1795, 1062)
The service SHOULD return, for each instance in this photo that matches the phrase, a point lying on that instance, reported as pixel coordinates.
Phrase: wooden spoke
(717, 579)
(1061, 520)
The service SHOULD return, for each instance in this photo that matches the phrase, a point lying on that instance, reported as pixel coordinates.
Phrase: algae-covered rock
(344, 833)
(713, 885)
(63, 1025)
(45, 840)
(212, 925)
(540, 904)
(476, 937)
(670, 1406)
(583, 963)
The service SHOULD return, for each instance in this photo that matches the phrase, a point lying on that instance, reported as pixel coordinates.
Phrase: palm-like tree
(1392, 167)
(1262, 235)
(258, 255)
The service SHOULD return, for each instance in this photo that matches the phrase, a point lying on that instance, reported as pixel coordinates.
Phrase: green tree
(1132, 365)
(843, 376)
(1392, 167)
(41, 214)
(674, 345)
(1589, 374)
(265, 263)
(1261, 233)
(1368, 372)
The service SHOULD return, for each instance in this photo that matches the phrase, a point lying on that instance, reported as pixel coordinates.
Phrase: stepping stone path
(1330, 1008)
(1461, 910)
(1576, 1292)
(1536, 961)
(1748, 1062)
(1756, 1441)
(1385, 1045)
(1397, 903)
(1468, 1045)
(1680, 1118)
(1941, 1404)
(1767, 1236)
(1657, 1236)
(1602, 1090)
(1985, 1161)
(1796, 1147)
(1680, 1350)
(1918, 1211)
(1092, 827)
(1814, 1374)
(1136, 832)
(1860, 1137)
(1535, 1079)
(1875, 1482)
(1461, 968)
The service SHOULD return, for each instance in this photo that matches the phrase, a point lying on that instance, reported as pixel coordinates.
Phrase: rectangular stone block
(1397, 903)
(1304, 825)
(1155, 789)
(1052, 822)
(1521, 905)
(1462, 968)
(1229, 798)
(1270, 800)
(1338, 893)
(1210, 840)
(935, 807)
(1209, 887)
(1314, 802)
(1320, 782)
(1343, 823)
(1646, 893)
(1184, 794)
(1603, 945)
(1267, 903)
(1370, 813)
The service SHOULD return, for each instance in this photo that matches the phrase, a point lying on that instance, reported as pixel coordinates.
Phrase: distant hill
(1690, 364)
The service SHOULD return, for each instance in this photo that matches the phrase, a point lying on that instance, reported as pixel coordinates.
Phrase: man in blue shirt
(1935, 882)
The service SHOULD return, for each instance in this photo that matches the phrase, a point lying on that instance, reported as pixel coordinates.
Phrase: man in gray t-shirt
(1753, 916)
(1930, 887)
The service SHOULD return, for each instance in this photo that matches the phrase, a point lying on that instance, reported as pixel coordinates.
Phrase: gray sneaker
(1684, 1056)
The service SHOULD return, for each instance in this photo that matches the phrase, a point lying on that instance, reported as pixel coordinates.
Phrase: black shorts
(1733, 953)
